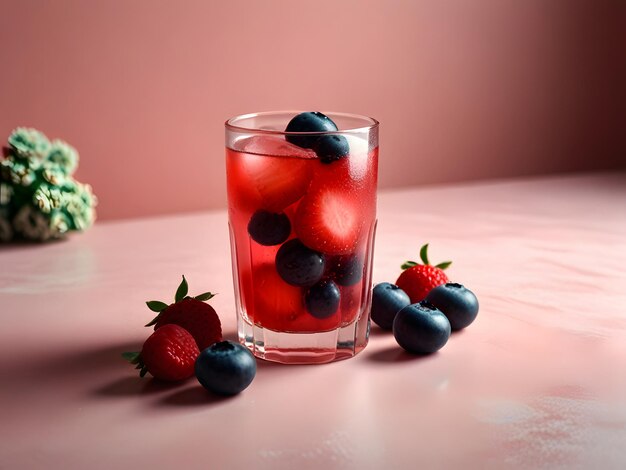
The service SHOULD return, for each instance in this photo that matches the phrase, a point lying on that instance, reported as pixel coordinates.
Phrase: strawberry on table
(168, 354)
(191, 313)
(417, 280)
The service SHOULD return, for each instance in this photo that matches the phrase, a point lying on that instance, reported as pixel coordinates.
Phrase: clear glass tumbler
(302, 220)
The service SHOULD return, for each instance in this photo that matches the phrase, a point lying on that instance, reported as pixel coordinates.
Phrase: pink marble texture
(536, 382)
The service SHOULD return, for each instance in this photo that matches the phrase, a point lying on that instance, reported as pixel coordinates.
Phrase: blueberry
(322, 299)
(225, 368)
(345, 270)
(421, 328)
(299, 265)
(387, 300)
(456, 302)
(268, 228)
(332, 147)
(308, 122)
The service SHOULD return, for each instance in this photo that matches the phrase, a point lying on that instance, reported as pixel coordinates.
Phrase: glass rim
(231, 126)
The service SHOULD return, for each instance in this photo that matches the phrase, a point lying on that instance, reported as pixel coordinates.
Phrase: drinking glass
(302, 221)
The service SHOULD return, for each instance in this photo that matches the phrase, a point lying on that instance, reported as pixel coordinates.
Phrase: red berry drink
(302, 217)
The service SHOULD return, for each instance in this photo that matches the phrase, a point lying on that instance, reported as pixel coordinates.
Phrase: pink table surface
(538, 381)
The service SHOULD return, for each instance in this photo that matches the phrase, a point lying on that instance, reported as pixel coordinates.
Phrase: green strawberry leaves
(136, 359)
(156, 306)
(424, 254)
(205, 296)
(181, 294)
(424, 258)
(182, 290)
(132, 357)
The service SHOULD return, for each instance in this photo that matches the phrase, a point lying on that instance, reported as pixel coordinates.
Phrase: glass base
(305, 348)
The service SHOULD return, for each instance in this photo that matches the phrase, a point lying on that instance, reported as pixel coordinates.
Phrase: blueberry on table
(322, 299)
(299, 265)
(308, 122)
(421, 328)
(456, 302)
(346, 270)
(225, 368)
(387, 300)
(268, 228)
(330, 148)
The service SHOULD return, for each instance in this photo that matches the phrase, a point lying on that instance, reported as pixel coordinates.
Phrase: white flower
(47, 198)
(64, 156)
(58, 224)
(17, 172)
(28, 142)
(53, 174)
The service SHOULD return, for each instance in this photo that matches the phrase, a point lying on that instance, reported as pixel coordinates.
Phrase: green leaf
(408, 264)
(132, 357)
(182, 290)
(444, 265)
(205, 296)
(156, 306)
(424, 254)
(153, 321)
(144, 371)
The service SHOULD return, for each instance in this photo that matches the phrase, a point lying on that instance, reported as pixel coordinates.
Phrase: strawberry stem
(408, 264)
(132, 357)
(205, 296)
(181, 294)
(136, 359)
(182, 290)
(424, 258)
(424, 254)
(156, 306)
(153, 321)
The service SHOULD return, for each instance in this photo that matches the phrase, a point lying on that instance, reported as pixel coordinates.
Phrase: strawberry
(275, 303)
(191, 313)
(418, 280)
(278, 306)
(168, 354)
(329, 219)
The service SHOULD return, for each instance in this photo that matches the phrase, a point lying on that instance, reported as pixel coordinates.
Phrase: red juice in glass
(302, 217)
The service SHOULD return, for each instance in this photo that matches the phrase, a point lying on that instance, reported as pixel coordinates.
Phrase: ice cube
(272, 145)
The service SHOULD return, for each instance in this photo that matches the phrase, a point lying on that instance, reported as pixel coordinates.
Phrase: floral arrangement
(39, 198)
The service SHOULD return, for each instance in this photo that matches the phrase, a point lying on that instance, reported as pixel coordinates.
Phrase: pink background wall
(464, 90)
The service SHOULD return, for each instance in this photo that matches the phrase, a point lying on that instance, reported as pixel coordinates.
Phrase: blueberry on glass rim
(312, 121)
(330, 148)
(456, 302)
